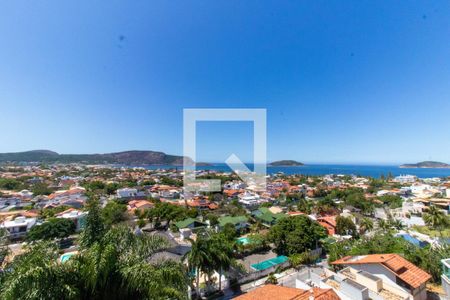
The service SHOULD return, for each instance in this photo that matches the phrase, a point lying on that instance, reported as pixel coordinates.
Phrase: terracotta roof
(402, 268)
(329, 223)
(330, 220)
(271, 292)
(231, 192)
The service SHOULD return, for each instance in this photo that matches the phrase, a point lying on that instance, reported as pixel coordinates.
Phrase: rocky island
(426, 164)
(285, 163)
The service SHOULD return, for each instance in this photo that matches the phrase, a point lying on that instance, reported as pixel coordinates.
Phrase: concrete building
(18, 227)
(393, 269)
(446, 276)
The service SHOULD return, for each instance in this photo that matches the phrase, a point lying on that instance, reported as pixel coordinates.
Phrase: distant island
(129, 158)
(285, 163)
(426, 164)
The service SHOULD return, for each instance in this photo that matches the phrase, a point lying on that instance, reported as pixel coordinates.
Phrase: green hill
(125, 158)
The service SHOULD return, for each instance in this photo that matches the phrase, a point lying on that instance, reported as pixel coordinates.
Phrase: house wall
(371, 284)
(375, 269)
(446, 285)
(420, 293)
(356, 293)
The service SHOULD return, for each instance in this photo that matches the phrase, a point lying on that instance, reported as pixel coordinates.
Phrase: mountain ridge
(131, 157)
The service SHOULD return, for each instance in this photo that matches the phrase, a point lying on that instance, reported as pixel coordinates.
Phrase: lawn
(431, 232)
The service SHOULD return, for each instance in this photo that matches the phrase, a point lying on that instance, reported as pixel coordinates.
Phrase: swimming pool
(409, 238)
(66, 256)
(269, 263)
(243, 240)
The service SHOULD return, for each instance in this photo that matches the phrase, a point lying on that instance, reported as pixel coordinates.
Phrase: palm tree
(199, 259)
(365, 225)
(383, 225)
(37, 275)
(397, 224)
(271, 279)
(435, 218)
(119, 266)
(221, 252)
(125, 264)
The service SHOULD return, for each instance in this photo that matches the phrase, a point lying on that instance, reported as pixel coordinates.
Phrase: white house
(77, 216)
(405, 179)
(126, 193)
(18, 227)
(446, 276)
(391, 268)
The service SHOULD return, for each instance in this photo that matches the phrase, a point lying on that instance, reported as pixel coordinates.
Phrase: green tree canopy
(41, 188)
(53, 228)
(393, 201)
(114, 213)
(95, 227)
(296, 235)
(120, 265)
(345, 226)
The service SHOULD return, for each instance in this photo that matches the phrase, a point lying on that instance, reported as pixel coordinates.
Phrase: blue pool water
(413, 240)
(243, 240)
(65, 257)
(269, 263)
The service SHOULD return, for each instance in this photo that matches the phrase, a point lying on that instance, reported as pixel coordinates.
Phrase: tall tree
(296, 235)
(114, 213)
(95, 227)
(4, 250)
(435, 218)
(199, 259)
(221, 253)
(345, 225)
(53, 228)
(365, 225)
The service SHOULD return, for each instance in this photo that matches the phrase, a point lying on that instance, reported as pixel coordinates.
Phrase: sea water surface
(324, 169)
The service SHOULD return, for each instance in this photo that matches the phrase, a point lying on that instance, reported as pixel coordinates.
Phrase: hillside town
(303, 237)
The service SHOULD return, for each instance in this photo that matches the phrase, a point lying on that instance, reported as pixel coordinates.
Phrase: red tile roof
(402, 268)
(329, 223)
(272, 292)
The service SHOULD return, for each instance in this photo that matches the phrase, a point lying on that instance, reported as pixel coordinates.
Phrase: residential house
(271, 292)
(329, 223)
(249, 199)
(266, 217)
(128, 193)
(351, 284)
(190, 223)
(77, 216)
(141, 205)
(18, 227)
(405, 179)
(446, 276)
(239, 222)
(393, 268)
(231, 193)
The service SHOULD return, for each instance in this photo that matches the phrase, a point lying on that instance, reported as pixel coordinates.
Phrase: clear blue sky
(342, 81)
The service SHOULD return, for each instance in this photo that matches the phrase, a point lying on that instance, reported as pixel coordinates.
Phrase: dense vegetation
(112, 263)
(296, 235)
(53, 228)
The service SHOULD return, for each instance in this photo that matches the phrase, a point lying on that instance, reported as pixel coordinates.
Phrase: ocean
(374, 171)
